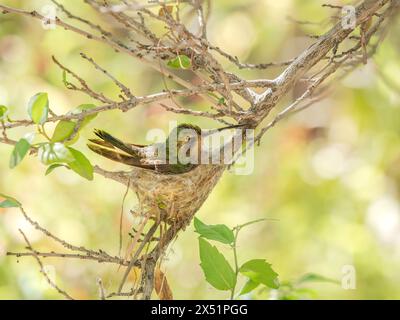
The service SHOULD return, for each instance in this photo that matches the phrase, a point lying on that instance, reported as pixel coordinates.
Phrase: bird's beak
(231, 127)
(212, 131)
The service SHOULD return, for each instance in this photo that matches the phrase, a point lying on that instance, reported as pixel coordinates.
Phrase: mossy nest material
(180, 195)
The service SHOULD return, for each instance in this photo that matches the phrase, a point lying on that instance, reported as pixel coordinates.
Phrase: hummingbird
(159, 180)
(156, 157)
(168, 191)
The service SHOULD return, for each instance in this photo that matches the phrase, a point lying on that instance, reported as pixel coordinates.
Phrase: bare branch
(42, 271)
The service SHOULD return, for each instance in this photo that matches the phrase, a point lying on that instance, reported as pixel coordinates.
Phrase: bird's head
(189, 134)
(190, 137)
(188, 127)
(186, 133)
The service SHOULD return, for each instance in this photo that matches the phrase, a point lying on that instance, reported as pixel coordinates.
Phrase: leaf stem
(42, 131)
(237, 229)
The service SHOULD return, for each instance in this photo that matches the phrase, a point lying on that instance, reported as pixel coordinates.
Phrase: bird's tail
(108, 140)
(117, 156)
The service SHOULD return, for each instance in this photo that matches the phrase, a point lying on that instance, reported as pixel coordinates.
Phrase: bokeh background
(328, 178)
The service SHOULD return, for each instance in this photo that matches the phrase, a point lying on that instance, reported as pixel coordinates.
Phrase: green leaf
(180, 62)
(218, 232)
(249, 286)
(72, 141)
(9, 202)
(83, 108)
(86, 107)
(38, 108)
(63, 130)
(216, 269)
(303, 293)
(81, 165)
(3, 112)
(313, 277)
(20, 150)
(50, 153)
(54, 166)
(260, 271)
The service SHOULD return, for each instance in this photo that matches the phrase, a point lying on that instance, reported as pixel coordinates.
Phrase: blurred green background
(329, 176)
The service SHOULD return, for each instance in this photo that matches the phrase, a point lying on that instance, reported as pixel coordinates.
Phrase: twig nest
(180, 195)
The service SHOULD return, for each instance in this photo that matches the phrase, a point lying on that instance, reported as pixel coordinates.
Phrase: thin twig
(42, 271)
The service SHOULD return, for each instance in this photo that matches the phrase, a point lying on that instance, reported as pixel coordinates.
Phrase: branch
(42, 271)
(99, 259)
(309, 58)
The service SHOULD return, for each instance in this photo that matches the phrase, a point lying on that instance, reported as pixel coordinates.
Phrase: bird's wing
(109, 145)
(150, 164)
(145, 157)
(136, 145)
(102, 143)
(112, 154)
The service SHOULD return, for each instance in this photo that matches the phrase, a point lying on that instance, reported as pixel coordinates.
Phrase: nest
(168, 204)
(178, 196)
